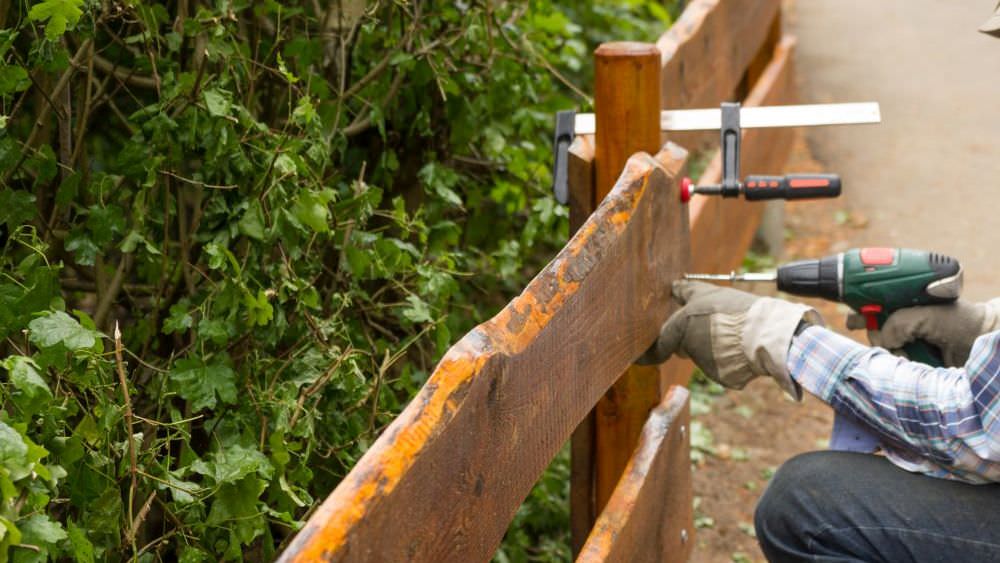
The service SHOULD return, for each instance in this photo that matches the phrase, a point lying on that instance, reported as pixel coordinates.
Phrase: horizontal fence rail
(445, 478)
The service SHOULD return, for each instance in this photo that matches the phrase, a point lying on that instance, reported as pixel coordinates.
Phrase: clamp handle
(792, 186)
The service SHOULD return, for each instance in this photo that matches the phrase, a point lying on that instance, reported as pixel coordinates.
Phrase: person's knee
(787, 513)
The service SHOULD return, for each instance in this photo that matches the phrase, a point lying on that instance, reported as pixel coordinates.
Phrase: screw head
(684, 536)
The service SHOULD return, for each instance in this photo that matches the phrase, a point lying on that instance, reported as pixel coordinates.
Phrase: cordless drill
(874, 282)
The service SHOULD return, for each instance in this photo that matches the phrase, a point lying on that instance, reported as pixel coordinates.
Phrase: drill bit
(734, 277)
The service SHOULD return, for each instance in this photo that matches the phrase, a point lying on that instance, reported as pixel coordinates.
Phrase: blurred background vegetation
(289, 210)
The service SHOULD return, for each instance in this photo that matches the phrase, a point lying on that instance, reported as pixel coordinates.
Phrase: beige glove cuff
(991, 318)
(757, 342)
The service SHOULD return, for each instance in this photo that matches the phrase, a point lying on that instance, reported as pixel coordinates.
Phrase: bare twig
(140, 517)
(128, 76)
(361, 124)
(317, 385)
(43, 113)
(133, 463)
(199, 183)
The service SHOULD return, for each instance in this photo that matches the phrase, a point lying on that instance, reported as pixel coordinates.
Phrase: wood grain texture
(722, 229)
(582, 508)
(580, 181)
(626, 107)
(706, 55)
(445, 478)
(649, 516)
(627, 110)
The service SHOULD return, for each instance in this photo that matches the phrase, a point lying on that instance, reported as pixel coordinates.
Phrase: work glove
(732, 335)
(953, 328)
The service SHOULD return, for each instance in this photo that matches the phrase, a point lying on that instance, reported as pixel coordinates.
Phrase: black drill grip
(792, 186)
(812, 278)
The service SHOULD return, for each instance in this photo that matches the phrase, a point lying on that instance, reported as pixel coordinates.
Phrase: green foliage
(290, 214)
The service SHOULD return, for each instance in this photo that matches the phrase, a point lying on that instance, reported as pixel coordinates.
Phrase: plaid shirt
(944, 422)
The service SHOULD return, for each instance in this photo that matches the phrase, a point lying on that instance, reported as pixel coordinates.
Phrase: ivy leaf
(13, 452)
(180, 319)
(19, 456)
(233, 464)
(39, 530)
(417, 310)
(440, 180)
(259, 311)
(59, 13)
(16, 207)
(182, 491)
(83, 549)
(33, 392)
(59, 328)
(201, 384)
(237, 504)
(311, 209)
(217, 101)
(305, 112)
(13, 78)
(252, 222)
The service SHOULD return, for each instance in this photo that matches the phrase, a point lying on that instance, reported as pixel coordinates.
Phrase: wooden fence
(443, 482)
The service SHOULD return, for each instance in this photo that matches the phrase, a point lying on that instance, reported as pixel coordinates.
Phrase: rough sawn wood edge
(648, 517)
(638, 218)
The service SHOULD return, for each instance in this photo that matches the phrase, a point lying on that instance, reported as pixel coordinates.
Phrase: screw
(684, 536)
(683, 430)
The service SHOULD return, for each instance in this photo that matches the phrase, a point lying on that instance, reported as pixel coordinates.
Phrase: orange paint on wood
(445, 478)
(649, 515)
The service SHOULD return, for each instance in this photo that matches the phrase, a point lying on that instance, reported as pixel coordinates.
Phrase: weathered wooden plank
(706, 54)
(445, 478)
(626, 109)
(649, 516)
(722, 229)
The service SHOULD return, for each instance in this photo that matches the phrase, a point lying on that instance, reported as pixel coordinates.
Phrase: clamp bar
(805, 115)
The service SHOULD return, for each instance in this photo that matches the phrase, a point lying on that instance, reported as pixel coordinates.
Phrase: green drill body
(874, 282)
(902, 283)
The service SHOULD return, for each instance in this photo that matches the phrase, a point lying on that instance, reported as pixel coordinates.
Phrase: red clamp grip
(871, 313)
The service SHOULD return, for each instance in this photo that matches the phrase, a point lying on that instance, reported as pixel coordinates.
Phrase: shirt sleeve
(939, 421)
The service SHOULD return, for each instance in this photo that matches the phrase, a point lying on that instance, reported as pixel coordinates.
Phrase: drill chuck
(820, 277)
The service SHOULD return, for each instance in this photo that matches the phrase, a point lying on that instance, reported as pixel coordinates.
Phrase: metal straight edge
(756, 117)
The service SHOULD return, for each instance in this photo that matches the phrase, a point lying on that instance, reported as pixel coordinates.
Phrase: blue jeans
(840, 506)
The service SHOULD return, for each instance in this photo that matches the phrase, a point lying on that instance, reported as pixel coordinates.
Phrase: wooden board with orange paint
(722, 229)
(649, 514)
(444, 480)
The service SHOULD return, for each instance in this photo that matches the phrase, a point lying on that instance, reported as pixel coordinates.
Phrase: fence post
(627, 107)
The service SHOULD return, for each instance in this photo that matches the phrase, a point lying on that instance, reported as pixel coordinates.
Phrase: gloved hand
(732, 335)
(952, 328)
